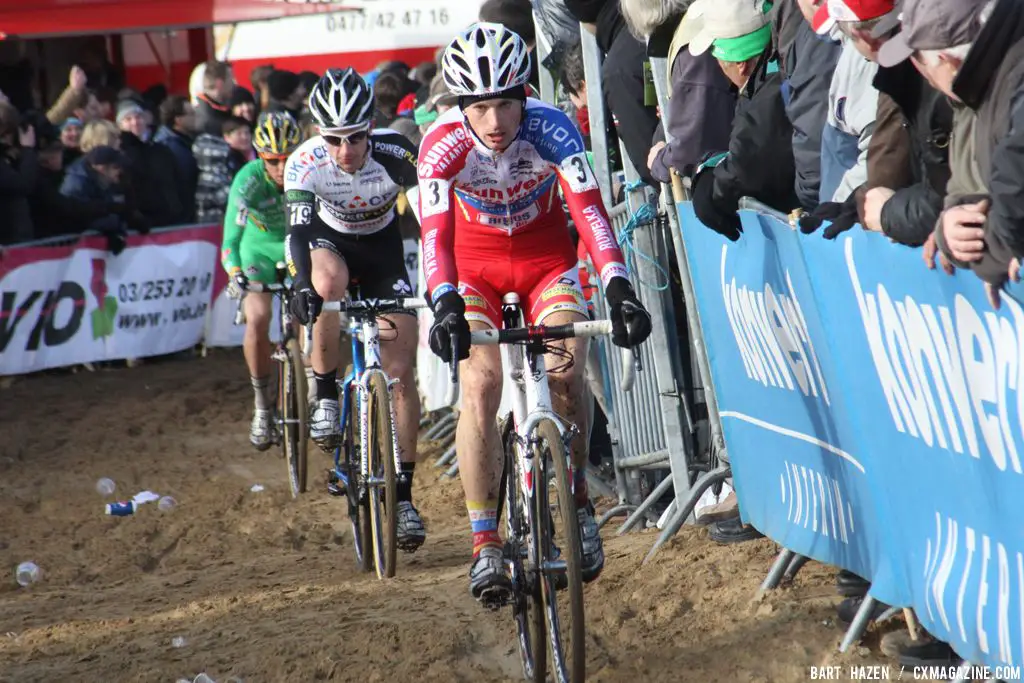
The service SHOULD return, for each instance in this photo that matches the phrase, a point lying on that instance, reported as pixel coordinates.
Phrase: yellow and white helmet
(485, 59)
(276, 134)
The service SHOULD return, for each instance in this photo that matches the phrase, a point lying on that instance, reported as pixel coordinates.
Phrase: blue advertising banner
(873, 412)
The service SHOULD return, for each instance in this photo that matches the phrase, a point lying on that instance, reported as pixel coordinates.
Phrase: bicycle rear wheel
(527, 602)
(559, 542)
(292, 404)
(382, 490)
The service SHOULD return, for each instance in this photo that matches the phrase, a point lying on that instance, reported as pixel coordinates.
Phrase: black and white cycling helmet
(485, 59)
(340, 100)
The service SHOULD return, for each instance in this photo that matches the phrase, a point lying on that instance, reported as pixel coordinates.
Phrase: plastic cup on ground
(27, 573)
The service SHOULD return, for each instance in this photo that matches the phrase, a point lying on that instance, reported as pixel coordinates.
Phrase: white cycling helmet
(485, 59)
(341, 99)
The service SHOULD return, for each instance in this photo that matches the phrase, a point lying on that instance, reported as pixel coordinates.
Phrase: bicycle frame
(531, 398)
(366, 362)
(358, 365)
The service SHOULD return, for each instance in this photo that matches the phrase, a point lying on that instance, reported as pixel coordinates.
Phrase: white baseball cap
(709, 20)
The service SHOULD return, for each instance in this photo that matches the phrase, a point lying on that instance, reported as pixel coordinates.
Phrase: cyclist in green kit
(253, 245)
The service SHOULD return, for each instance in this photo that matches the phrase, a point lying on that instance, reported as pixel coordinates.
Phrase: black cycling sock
(326, 385)
(405, 481)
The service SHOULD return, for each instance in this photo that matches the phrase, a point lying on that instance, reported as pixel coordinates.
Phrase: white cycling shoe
(324, 426)
(411, 532)
(489, 581)
(261, 429)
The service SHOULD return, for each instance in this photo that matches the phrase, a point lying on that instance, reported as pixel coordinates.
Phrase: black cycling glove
(306, 305)
(631, 323)
(449, 325)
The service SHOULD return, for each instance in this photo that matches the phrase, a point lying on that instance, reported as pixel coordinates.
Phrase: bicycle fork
(364, 428)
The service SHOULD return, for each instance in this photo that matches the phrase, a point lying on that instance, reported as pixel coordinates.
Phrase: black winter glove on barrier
(842, 216)
(117, 240)
(306, 305)
(725, 223)
(631, 323)
(449, 324)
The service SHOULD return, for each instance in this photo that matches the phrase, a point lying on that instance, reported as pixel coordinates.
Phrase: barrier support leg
(888, 614)
(795, 566)
(598, 486)
(451, 471)
(446, 458)
(620, 509)
(439, 426)
(641, 510)
(782, 562)
(859, 623)
(683, 510)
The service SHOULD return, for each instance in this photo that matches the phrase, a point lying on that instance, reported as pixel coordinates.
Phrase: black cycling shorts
(376, 262)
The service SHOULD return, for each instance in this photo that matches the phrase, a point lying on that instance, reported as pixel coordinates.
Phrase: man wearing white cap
(759, 162)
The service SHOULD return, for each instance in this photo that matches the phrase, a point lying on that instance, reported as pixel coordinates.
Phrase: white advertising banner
(390, 24)
(65, 305)
(221, 329)
(73, 304)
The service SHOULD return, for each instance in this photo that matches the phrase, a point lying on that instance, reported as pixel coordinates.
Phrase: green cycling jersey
(254, 225)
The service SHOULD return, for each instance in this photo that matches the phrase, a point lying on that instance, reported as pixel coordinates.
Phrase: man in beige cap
(759, 161)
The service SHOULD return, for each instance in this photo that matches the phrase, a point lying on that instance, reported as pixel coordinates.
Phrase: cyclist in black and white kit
(341, 188)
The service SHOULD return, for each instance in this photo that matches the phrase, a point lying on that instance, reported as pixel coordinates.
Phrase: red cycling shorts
(539, 265)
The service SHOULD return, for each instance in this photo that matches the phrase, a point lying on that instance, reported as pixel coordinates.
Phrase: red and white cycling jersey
(492, 221)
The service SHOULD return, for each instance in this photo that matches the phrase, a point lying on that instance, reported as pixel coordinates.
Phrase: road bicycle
(366, 463)
(542, 545)
(291, 415)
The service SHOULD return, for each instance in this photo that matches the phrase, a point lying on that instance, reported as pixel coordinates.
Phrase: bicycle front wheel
(292, 399)
(358, 513)
(558, 534)
(382, 481)
(521, 547)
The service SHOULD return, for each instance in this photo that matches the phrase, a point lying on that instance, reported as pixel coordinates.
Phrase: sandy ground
(265, 588)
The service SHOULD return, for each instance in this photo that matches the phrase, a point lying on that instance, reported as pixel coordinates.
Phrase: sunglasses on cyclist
(351, 139)
(275, 161)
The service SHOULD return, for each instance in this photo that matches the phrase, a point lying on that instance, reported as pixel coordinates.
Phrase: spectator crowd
(100, 160)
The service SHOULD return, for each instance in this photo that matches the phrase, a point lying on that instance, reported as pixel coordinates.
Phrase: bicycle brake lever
(307, 348)
(453, 383)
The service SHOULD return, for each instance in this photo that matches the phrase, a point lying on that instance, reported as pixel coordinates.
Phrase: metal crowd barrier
(652, 426)
(68, 240)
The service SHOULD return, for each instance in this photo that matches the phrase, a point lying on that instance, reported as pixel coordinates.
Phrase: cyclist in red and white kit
(492, 223)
